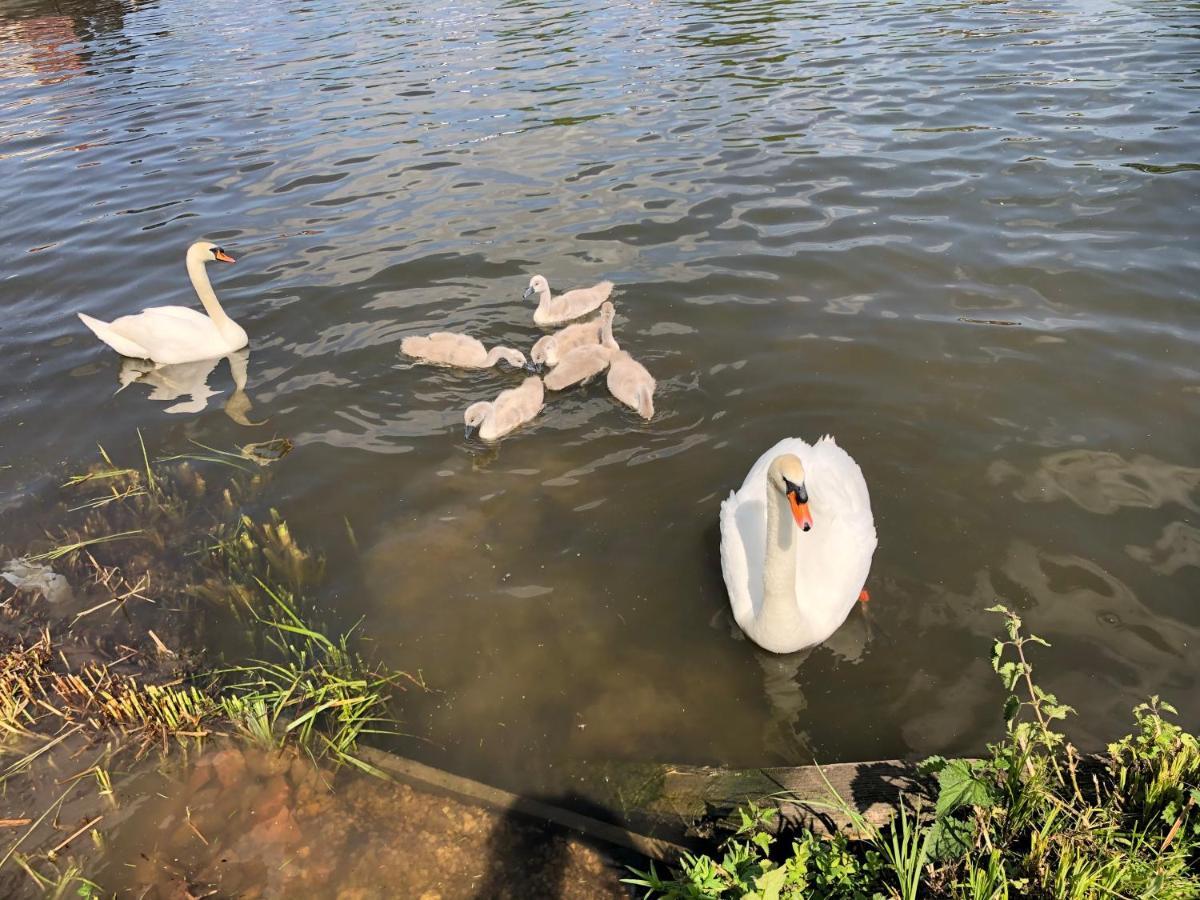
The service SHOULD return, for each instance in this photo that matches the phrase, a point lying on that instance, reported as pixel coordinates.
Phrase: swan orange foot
(863, 596)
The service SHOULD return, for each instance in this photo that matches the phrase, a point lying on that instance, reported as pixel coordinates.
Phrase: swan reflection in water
(190, 381)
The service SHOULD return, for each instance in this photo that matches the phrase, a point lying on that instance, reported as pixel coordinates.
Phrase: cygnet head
(545, 351)
(786, 475)
(537, 285)
(206, 252)
(513, 357)
(476, 413)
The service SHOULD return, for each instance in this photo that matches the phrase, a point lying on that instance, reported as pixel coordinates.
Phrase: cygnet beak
(533, 368)
(528, 291)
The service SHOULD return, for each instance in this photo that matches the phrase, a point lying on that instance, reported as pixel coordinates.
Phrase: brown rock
(273, 797)
(279, 830)
(230, 767)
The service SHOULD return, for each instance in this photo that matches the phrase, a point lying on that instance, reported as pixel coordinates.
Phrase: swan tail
(604, 289)
(645, 402)
(105, 332)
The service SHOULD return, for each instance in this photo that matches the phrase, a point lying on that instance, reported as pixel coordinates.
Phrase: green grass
(1030, 820)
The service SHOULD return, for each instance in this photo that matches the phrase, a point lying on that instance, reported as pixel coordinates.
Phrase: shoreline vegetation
(112, 670)
(1032, 819)
(110, 683)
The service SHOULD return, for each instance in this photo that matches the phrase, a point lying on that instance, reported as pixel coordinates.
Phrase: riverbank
(137, 760)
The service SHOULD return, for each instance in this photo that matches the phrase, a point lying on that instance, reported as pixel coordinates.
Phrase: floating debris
(987, 321)
(266, 452)
(26, 575)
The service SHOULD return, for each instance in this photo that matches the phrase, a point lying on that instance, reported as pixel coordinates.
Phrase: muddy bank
(244, 822)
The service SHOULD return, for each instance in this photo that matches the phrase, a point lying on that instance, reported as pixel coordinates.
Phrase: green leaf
(932, 765)
(1012, 705)
(1010, 673)
(770, 883)
(950, 839)
(959, 786)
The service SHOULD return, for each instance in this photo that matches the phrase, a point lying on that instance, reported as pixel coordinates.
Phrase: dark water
(961, 237)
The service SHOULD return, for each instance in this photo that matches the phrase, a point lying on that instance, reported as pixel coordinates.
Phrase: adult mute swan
(168, 335)
(552, 348)
(510, 409)
(460, 350)
(564, 307)
(796, 544)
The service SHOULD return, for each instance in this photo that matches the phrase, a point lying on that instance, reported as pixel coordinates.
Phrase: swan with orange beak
(796, 544)
(170, 335)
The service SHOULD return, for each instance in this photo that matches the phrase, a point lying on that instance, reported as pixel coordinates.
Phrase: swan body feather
(461, 350)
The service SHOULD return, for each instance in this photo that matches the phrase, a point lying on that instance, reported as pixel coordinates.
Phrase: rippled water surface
(959, 236)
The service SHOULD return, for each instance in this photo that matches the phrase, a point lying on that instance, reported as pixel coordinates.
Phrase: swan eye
(800, 492)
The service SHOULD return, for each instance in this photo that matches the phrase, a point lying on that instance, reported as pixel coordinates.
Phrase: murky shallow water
(813, 212)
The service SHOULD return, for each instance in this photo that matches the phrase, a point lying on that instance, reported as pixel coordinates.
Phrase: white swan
(564, 307)
(460, 350)
(168, 335)
(796, 544)
(553, 347)
(511, 409)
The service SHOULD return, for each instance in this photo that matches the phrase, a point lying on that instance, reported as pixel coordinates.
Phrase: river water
(959, 236)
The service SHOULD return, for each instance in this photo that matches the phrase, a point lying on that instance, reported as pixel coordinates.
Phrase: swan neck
(606, 335)
(501, 353)
(204, 290)
(780, 603)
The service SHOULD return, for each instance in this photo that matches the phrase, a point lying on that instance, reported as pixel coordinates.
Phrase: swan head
(514, 358)
(786, 475)
(545, 351)
(206, 252)
(475, 414)
(537, 285)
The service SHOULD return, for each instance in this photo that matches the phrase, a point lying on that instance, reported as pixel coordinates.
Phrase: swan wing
(834, 559)
(736, 567)
(122, 345)
(446, 347)
(572, 304)
(173, 334)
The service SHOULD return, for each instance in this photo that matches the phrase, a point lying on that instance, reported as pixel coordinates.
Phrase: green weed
(1033, 819)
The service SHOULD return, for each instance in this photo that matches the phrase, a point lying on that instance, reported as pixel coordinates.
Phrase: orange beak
(800, 512)
(223, 256)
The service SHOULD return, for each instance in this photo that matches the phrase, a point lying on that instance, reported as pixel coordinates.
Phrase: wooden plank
(804, 795)
(440, 781)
